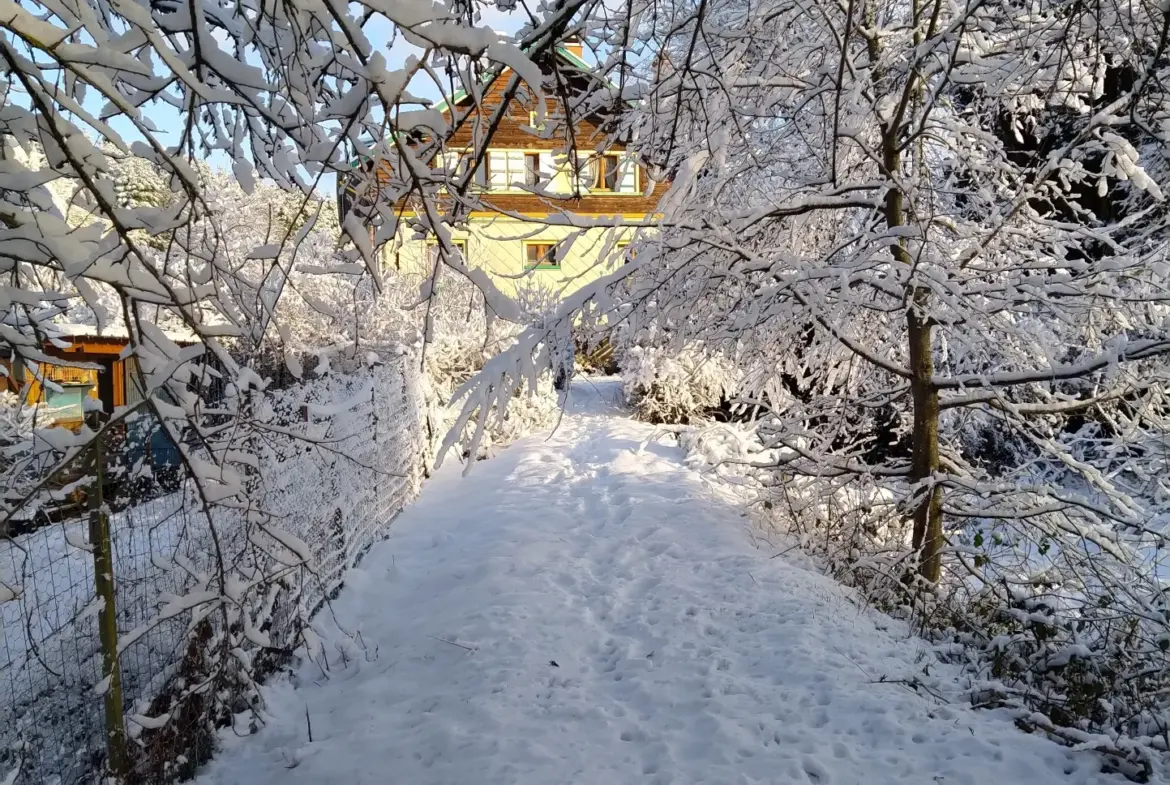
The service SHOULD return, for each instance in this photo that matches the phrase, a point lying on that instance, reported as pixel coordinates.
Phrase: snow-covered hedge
(1065, 624)
(337, 456)
(461, 338)
(665, 386)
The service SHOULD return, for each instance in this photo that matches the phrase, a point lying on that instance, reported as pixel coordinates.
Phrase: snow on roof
(119, 332)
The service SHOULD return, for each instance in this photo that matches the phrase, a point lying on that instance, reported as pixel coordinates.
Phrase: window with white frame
(456, 162)
(506, 169)
(609, 173)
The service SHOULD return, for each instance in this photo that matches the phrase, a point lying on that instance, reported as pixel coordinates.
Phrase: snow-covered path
(581, 611)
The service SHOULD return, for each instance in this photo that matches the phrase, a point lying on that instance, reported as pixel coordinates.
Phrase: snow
(50, 664)
(584, 608)
(118, 331)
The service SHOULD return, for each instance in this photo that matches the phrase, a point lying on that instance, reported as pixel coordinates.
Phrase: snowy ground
(579, 610)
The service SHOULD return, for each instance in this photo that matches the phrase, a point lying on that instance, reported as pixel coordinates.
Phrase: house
(524, 179)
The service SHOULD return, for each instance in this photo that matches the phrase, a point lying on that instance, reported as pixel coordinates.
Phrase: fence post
(103, 578)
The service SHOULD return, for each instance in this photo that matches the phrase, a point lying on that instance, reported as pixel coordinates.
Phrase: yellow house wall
(497, 245)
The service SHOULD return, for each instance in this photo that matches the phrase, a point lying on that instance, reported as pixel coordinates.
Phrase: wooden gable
(515, 133)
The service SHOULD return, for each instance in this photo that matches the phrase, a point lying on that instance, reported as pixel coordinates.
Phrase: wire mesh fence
(205, 601)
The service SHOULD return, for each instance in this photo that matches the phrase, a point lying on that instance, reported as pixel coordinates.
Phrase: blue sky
(169, 122)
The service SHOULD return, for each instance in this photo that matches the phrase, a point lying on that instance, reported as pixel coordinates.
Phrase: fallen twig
(453, 643)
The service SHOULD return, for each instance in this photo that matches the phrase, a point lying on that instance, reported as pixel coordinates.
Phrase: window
(624, 252)
(68, 403)
(508, 170)
(497, 170)
(608, 167)
(531, 168)
(455, 165)
(451, 162)
(610, 172)
(483, 174)
(433, 250)
(541, 256)
(532, 121)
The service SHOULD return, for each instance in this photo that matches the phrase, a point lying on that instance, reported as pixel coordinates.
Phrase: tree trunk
(928, 534)
(117, 762)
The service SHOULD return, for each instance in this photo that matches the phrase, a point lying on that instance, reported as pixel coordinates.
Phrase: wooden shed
(112, 382)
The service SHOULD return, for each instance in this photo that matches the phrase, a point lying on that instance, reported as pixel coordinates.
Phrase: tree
(109, 216)
(881, 152)
(285, 102)
(921, 220)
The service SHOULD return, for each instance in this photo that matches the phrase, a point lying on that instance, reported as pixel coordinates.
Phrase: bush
(1061, 621)
(675, 388)
(461, 338)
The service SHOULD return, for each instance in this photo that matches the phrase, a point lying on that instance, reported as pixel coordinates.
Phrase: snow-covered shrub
(680, 387)
(1064, 622)
(330, 313)
(729, 450)
(852, 526)
(529, 412)
(16, 427)
(455, 337)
